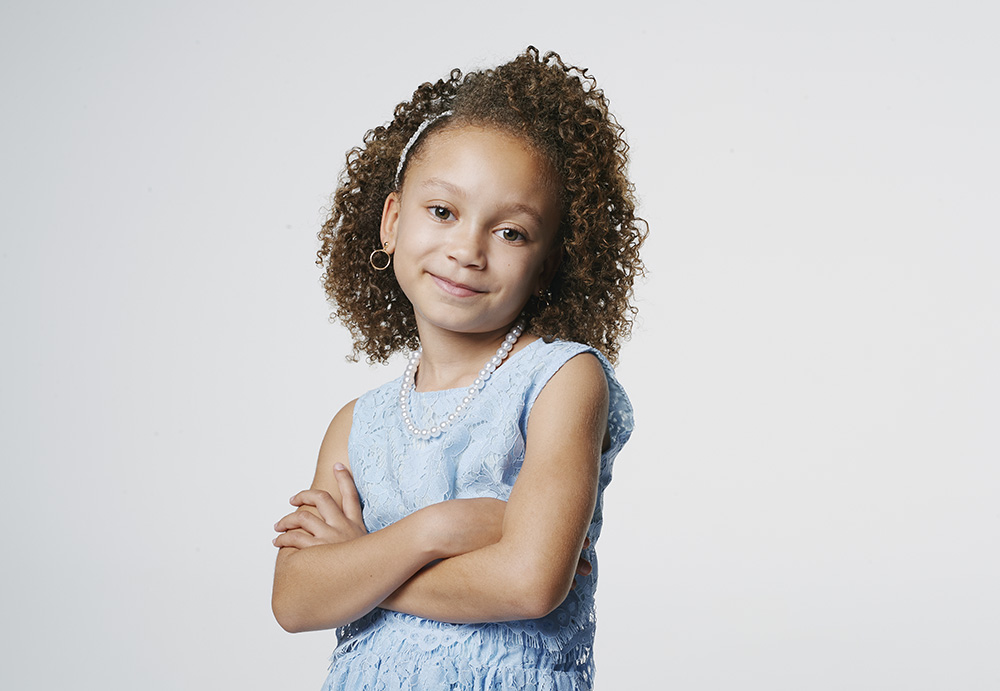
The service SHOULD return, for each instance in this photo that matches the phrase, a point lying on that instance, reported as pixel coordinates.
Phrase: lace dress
(396, 474)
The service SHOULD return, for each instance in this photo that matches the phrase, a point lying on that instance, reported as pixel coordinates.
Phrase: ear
(549, 266)
(390, 222)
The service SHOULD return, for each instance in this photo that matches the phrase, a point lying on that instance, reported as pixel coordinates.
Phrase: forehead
(466, 153)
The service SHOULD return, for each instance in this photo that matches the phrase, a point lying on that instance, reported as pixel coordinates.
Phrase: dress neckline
(510, 359)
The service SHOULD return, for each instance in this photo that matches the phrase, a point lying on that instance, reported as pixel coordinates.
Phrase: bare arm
(330, 571)
(530, 570)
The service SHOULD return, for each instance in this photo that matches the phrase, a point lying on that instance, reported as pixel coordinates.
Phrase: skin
(473, 236)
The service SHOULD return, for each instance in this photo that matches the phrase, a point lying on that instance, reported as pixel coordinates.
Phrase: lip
(457, 289)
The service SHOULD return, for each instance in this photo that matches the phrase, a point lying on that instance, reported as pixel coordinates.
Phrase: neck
(452, 360)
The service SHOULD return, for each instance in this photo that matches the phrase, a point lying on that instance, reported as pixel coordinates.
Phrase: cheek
(413, 241)
(408, 259)
(405, 249)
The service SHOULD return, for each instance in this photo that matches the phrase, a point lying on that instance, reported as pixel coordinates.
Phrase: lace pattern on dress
(396, 474)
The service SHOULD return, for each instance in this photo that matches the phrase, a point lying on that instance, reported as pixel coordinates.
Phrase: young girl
(449, 532)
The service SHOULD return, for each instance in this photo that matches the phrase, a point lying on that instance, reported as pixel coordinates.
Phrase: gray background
(810, 497)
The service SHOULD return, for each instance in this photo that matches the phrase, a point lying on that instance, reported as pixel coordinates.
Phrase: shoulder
(565, 366)
(377, 397)
(579, 383)
(579, 375)
(342, 420)
(334, 447)
(577, 372)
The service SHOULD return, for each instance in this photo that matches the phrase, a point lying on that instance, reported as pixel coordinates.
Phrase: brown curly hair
(560, 111)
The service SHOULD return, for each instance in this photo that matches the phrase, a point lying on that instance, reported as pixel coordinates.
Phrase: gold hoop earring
(388, 258)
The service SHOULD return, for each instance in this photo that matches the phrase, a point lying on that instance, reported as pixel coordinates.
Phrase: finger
(303, 520)
(329, 509)
(290, 522)
(351, 503)
(295, 538)
(321, 500)
(583, 567)
(309, 497)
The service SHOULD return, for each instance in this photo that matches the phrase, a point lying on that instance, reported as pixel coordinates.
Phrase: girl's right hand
(320, 520)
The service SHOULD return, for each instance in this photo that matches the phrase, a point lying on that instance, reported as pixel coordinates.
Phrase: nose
(467, 246)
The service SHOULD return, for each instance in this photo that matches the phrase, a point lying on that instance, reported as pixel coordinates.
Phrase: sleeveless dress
(480, 456)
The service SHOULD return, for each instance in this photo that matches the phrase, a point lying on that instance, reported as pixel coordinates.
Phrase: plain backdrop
(810, 498)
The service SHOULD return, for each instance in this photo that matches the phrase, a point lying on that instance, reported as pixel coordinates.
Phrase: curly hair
(558, 109)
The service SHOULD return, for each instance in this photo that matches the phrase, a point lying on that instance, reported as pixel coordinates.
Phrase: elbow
(296, 613)
(540, 592)
(293, 610)
(536, 609)
(289, 621)
(297, 617)
(286, 615)
(289, 624)
(283, 606)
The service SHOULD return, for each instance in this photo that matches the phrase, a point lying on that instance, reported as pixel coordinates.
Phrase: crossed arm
(464, 560)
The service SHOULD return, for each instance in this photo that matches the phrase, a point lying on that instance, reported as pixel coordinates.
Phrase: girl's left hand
(320, 520)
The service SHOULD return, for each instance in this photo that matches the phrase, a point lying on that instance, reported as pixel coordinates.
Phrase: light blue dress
(396, 474)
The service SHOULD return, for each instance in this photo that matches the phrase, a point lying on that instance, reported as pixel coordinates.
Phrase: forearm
(330, 585)
(495, 583)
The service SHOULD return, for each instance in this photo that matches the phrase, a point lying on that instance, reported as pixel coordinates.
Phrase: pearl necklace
(410, 377)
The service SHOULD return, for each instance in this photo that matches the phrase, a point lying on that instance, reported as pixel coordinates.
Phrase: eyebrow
(516, 207)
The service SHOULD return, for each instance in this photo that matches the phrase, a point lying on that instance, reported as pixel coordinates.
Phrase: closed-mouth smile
(457, 289)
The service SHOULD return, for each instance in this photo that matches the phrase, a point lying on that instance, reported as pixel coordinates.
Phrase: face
(473, 232)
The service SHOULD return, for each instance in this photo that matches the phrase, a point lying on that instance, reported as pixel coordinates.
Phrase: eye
(510, 235)
(441, 213)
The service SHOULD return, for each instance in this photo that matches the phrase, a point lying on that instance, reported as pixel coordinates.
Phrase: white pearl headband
(413, 140)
